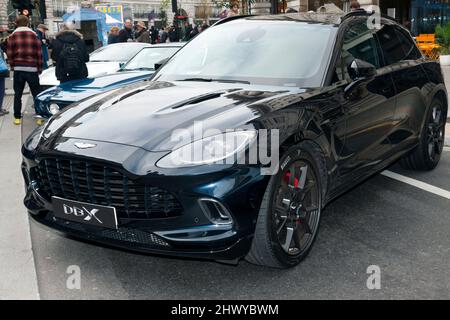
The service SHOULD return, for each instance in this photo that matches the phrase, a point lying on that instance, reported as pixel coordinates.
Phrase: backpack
(71, 60)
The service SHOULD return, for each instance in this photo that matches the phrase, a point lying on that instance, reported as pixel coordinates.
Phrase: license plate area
(85, 213)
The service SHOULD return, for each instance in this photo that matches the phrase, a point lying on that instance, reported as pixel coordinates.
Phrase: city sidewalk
(17, 270)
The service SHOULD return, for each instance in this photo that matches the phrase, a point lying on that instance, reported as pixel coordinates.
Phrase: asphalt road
(396, 226)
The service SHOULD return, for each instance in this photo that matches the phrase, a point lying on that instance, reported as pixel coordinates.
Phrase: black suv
(179, 165)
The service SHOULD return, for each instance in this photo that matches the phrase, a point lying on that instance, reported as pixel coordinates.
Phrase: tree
(162, 15)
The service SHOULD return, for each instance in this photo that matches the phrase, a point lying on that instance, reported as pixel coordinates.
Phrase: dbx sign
(82, 212)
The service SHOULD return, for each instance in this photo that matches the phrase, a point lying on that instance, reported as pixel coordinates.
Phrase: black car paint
(359, 135)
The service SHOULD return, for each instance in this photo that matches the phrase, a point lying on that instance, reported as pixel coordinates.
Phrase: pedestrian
(142, 34)
(126, 34)
(41, 33)
(234, 10)
(354, 5)
(4, 73)
(164, 35)
(70, 55)
(173, 35)
(187, 31)
(205, 26)
(113, 36)
(194, 32)
(153, 34)
(25, 59)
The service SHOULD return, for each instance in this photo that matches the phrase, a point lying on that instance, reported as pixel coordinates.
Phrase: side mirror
(121, 65)
(360, 69)
(160, 63)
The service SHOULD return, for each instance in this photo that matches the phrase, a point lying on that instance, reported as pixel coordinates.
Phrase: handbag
(4, 71)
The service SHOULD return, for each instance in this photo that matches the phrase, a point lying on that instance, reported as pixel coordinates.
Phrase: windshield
(147, 58)
(121, 52)
(282, 53)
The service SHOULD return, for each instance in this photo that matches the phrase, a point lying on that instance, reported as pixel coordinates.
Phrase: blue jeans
(2, 92)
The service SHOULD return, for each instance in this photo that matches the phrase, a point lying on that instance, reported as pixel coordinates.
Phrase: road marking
(418, 184)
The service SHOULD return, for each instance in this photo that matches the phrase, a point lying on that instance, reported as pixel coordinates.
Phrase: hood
(146, 116)
(69, 36)
(77, 90)
(23, 29)
(106, 82)
(48, 76)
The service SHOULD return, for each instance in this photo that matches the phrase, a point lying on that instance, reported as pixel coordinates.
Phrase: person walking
(41, 34)
(173, 34)
(70, 54)
(113, 36)
(25, 59)
(142, 34)
(153, 34)
(126, 34)
(4, 73)
(164, 35)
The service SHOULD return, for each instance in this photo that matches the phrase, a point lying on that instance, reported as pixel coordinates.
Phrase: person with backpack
(70, 55)
(25, 59)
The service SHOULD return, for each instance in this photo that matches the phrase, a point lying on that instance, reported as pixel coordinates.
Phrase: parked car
(140, 67)
(104, 60)
(340, 102)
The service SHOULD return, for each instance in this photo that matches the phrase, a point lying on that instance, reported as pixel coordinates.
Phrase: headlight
(218, 149)
(33, 139)
(54, 108)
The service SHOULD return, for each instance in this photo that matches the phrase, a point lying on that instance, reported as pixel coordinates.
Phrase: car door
(368, 108)
(405, 61)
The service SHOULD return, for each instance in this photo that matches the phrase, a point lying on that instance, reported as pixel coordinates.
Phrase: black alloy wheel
(289, 215)
(296, 207)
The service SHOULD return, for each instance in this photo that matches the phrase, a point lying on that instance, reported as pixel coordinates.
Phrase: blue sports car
(140, 67)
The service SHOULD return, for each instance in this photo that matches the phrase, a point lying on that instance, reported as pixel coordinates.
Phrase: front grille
(99, 184)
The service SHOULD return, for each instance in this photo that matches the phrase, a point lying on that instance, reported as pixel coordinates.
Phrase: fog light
(215, 211)
(54, 108)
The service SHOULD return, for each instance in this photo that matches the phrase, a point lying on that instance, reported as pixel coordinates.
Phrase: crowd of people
(139, 32)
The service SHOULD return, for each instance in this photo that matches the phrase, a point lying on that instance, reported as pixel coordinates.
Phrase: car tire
(268, 247)
(427, 154)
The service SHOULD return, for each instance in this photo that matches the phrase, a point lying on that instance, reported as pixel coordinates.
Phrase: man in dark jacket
(153, 34)
(70, 54)
(126, 34)
(142, 34)
(25, 58)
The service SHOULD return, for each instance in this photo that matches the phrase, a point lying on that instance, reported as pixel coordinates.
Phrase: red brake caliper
(287, 176)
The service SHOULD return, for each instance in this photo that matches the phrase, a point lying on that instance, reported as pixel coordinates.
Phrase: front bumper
(191, 234)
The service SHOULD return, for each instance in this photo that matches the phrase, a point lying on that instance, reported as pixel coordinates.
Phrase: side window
(396, 45)
(358, 43)
(410, 50)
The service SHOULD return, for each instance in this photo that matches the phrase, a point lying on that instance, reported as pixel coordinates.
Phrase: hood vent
(197, 99)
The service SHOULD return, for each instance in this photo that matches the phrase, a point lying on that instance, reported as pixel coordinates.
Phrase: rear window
(115, 52)
(396, 45)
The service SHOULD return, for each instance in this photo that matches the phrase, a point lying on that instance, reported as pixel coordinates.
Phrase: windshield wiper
(215, 80)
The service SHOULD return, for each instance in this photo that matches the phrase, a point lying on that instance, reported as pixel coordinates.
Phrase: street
(389, 221)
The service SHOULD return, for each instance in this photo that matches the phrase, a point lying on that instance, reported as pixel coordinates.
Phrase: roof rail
(228, 19)
(363, 12)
